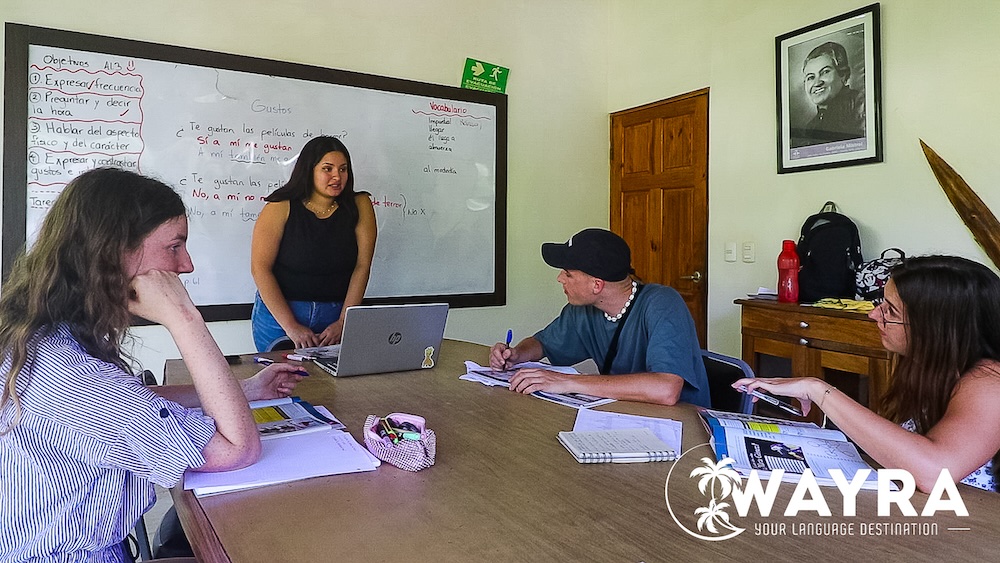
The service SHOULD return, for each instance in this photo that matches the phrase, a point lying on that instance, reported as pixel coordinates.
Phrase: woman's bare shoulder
(984, 377)
(275, 210)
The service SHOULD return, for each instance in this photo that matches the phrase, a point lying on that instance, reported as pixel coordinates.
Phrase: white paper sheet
(290, 458)
(668, 430)
(487, 376)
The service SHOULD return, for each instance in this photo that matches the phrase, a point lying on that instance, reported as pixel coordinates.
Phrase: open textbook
(276, 417)
(290, 415)
(487, 376)
(765, 444)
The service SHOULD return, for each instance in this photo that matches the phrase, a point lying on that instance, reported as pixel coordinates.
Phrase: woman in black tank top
(312, 249)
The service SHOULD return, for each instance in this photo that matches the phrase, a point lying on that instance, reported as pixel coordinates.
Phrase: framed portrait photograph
(829, 93)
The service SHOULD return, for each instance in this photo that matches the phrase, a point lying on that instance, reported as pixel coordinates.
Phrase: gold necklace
(322, 212)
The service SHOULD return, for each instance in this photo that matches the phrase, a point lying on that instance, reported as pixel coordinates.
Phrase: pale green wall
(939, 83)
(574, 61)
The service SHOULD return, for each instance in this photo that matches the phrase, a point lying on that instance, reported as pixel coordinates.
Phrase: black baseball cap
(597, 252)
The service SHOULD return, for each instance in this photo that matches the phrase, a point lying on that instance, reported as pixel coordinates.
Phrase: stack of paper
(289, 457)
(487, 376)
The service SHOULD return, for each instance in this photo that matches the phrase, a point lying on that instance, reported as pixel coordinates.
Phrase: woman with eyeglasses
(941, 316)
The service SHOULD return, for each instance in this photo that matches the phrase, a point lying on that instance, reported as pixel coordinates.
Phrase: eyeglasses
(882, 317)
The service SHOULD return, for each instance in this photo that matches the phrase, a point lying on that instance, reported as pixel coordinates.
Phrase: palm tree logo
(721, 473)
(716, 480)
(711, 514)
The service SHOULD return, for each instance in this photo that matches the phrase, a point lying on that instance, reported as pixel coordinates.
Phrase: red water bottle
(788, 273)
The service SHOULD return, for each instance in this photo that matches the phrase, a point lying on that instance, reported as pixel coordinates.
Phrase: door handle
(695, 277)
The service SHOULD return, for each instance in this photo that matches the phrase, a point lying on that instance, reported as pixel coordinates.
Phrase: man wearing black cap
(642, 337)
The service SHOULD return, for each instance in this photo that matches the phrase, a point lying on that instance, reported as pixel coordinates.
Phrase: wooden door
(659, 195)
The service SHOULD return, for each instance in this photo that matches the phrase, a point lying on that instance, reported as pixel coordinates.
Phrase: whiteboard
(225, 131)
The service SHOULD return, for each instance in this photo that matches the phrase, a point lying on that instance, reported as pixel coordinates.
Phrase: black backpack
(829, 251)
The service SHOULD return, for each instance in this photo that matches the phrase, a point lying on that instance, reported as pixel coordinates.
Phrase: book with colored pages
(627, 445)
(763, 444)
(291, 415)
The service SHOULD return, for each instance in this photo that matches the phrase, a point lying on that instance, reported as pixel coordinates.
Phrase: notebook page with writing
(630, 445)
(670, 431)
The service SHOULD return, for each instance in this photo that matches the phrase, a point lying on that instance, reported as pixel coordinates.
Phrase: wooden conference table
(504, 489)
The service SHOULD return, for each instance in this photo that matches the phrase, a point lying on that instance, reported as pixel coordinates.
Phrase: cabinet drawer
(859, 330)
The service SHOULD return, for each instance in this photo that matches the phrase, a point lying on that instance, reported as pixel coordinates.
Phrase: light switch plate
(730, 254)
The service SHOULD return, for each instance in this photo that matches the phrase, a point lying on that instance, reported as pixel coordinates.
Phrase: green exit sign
(479, 75)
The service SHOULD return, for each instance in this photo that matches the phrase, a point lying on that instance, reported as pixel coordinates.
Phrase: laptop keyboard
(327, 364)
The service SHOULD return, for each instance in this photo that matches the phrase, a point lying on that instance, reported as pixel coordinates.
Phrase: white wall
(574, 61)
(557, 147)
(939, 81)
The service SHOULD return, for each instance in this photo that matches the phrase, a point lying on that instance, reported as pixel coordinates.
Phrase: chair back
(281, 343)
(722, 371)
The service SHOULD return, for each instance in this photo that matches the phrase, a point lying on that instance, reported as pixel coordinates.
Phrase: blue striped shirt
(78, 467)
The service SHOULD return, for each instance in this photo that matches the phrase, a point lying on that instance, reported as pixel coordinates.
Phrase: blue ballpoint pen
(510, 337)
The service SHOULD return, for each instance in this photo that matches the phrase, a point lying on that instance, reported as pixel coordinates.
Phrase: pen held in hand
(787, 407)
(268, 361)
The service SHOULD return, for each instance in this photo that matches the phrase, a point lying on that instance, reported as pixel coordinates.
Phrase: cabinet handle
(803, 324)
(803, 342)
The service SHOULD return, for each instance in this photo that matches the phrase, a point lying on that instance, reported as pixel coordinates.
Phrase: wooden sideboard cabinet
(842, 347)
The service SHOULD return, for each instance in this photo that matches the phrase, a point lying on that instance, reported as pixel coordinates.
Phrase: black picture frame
(829, 93)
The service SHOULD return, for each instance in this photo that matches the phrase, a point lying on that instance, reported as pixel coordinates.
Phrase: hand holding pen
(501, 354)
(275, 381)
(268, 361)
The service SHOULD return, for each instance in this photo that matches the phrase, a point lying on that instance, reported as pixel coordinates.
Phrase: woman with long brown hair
(941, 316)
(312, 250)
(82, 440)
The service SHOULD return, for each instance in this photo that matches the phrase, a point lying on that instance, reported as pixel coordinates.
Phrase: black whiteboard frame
(20, 37)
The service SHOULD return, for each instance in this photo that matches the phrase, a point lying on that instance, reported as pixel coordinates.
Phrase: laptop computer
(383, 338)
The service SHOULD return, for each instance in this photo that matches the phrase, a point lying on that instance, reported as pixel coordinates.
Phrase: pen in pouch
(390, 432)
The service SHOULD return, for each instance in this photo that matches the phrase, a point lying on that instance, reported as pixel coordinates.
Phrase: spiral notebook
(627, 445)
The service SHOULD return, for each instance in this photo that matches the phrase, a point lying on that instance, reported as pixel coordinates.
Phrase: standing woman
(941, 316)
(82, 440)
(312, 250)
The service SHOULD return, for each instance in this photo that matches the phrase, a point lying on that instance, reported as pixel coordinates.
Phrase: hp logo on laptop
(395, 337)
